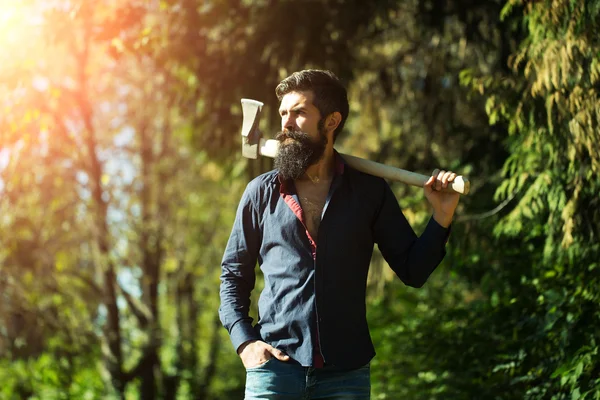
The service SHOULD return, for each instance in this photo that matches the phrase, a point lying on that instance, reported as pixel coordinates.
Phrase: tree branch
(487, 214)
(141, 312)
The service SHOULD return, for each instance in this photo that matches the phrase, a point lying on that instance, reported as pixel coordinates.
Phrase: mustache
(292, 134)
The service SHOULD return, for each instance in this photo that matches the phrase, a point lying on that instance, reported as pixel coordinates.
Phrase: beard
(296, 155)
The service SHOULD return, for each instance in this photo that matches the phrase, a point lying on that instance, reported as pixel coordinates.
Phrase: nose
(288, 122)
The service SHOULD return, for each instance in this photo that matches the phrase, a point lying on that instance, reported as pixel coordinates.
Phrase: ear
(333, 121)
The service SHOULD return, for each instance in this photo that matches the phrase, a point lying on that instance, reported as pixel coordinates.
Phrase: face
(298, 113)
(302, 138)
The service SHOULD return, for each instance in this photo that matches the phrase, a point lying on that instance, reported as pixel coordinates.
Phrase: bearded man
(311, 225)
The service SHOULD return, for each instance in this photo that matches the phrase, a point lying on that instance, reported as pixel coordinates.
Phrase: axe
(254, 145)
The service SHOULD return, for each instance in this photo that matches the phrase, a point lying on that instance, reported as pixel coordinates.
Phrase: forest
(121, 172)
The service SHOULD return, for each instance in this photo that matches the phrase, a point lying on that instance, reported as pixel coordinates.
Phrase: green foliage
(119, 154)
(531, 332)
(51, 378)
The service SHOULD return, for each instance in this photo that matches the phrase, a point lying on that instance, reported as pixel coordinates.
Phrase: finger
(452, 177)
(280, 355)
(438, 181)
(429, 182)
(445, 178)
(433, 178)
(428, 186)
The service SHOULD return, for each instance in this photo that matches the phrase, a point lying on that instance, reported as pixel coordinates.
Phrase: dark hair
(329, 93)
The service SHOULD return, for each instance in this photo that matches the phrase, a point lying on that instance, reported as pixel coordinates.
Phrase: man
(311, 224)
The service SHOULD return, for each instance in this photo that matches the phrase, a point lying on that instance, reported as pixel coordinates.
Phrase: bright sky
(15, 16)
(17, 20)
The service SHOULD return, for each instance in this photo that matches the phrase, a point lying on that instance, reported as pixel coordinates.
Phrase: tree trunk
(112, 329)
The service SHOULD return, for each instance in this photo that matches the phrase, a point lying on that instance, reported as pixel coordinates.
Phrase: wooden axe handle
(460, 184)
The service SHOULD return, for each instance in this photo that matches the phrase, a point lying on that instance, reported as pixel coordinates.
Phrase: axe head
(250, 134)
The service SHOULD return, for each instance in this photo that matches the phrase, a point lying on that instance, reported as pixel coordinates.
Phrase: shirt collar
(340, 166)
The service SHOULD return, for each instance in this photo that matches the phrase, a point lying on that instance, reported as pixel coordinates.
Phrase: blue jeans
(279, 380)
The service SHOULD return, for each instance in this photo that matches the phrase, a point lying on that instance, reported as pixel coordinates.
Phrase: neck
(323, 170)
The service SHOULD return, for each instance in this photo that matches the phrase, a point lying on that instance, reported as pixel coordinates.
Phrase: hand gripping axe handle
(254, 145)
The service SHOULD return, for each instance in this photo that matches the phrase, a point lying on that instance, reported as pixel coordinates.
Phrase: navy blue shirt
(313, 299)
